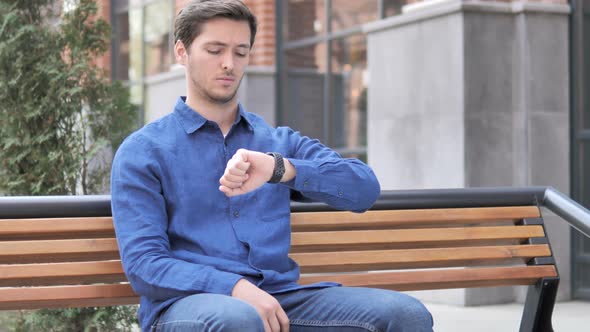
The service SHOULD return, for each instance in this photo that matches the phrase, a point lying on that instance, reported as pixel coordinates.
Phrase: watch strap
(279, 169)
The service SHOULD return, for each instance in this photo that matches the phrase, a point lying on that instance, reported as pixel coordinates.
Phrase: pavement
(569, 316)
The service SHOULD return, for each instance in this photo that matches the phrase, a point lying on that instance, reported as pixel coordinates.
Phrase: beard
(216, 98)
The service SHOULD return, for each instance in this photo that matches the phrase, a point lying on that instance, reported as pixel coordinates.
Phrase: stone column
(470, 94)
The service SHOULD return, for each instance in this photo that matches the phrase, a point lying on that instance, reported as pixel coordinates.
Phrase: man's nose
(228, 62)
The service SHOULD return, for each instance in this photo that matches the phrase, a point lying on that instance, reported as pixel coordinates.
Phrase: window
(157, 37)
(349, 99)
(142, 43)
(305, 90)
(323, 69)
(348, 14)
(304, 18)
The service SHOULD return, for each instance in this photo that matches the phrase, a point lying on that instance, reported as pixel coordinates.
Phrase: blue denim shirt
(179, 235)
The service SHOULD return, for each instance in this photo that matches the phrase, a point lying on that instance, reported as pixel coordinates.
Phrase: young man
(200, 201)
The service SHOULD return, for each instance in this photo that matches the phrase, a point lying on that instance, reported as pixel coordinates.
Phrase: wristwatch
(279, 170)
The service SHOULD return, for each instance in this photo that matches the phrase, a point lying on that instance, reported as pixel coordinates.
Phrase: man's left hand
(247, 171)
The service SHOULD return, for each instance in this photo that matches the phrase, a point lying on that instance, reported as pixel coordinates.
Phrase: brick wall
(104, 11)
(264, 47)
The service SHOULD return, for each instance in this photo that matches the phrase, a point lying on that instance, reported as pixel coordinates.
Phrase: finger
(235, 171)
(234, 178)
(238, 167)
(283, 320)
(232, 185)
(229, 192)
(241, 166)
(225, 190)
(274, 324)
(242, 155)
(266, 326)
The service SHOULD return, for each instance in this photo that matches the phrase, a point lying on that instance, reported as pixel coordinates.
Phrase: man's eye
(241, 55)
(213, 51)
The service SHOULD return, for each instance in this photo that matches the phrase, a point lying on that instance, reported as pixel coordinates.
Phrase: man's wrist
(239, 284)
(290, 171)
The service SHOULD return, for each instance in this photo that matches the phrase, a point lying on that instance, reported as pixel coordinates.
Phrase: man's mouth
(226, 79)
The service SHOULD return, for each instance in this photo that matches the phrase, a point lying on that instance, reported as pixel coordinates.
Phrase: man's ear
(180, 52)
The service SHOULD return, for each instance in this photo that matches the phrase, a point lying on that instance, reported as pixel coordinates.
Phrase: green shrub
(61, 118)
(60, 115)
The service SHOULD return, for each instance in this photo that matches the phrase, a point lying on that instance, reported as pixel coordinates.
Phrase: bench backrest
(74, 262)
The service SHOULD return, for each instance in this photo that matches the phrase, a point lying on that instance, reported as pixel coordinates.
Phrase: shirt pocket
(273, 203)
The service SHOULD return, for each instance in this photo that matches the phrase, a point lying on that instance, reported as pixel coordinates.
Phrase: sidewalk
(567, 316)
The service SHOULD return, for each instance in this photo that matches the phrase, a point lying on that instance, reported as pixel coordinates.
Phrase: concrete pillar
(468, 94)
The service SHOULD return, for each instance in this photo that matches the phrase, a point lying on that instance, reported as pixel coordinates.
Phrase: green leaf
(58, 113)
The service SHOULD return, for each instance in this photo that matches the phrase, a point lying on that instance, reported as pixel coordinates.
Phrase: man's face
(216, 59)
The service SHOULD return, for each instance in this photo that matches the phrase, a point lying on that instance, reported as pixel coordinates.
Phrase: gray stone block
(550, 159)
(488, 149)
(472, 98)
(547, 38)
(489, 48)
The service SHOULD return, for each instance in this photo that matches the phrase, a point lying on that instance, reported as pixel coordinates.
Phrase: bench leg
(538, 307)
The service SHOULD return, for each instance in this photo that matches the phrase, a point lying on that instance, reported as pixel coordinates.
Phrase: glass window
(122, 61)
(136, 94)
(394, 7)
(304, 18)
(121, 5)
(158, 18)
(583, 272)
(584, 159)
(585, 113)
(303, 96)
(349, 84)
(128, 62)
(347, 14)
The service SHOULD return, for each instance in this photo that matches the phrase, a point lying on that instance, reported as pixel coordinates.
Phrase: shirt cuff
(307, 176)
(224, 283)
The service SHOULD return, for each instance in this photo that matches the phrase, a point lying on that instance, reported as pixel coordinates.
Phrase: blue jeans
(326, 309)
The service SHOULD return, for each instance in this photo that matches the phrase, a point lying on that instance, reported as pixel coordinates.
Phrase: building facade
(432, 94)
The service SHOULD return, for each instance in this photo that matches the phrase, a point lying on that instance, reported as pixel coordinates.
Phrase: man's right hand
(274, 317)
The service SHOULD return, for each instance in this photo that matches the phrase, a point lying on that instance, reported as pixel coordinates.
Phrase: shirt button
(305, 183)
(340, 193)
(236, 214)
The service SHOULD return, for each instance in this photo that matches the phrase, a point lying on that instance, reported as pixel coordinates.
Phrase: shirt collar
(192, 121)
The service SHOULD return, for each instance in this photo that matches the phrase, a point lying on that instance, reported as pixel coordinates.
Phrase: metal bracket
(538, 307)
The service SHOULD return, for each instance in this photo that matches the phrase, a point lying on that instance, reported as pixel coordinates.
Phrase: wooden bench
(67, 256)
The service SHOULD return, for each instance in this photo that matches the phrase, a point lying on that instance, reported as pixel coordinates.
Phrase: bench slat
(98, 295)
(47, 228)
(431, 238)
(60, 227)
(309, 221)
(414, 258)
(406, 238)
(442, 279)
(66, 296)
(49, 274)
(57, 250)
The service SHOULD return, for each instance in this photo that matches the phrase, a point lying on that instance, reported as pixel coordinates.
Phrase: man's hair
(190, 19)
